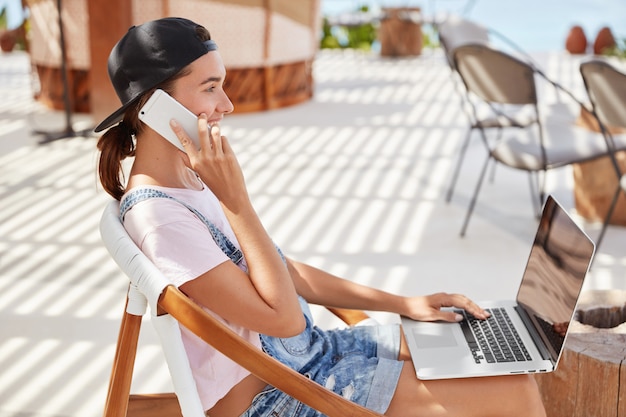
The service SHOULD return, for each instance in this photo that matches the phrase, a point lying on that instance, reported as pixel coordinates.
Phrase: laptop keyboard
(494, 339)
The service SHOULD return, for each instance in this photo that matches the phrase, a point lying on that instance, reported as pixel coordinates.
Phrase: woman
(191, 214)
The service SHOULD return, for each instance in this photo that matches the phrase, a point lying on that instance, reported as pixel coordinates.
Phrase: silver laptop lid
(558, 263)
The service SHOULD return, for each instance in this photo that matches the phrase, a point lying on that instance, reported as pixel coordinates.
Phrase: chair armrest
(213, 332)
(350, 317)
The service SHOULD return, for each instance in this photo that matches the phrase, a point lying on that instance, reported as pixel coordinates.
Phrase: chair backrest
(147, 283)
(606, 88)
(495, 76)
(455, 31)
(169, 307)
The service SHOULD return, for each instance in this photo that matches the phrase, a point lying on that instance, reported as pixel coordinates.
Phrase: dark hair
(117, 143)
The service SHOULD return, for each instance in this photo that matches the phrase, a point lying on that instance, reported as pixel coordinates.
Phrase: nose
(225, 105)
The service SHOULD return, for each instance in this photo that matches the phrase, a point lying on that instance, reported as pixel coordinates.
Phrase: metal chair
(169, 309)
(497, 78)
(454, 32)
(606, 88)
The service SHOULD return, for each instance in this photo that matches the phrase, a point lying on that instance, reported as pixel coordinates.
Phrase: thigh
(492, 396)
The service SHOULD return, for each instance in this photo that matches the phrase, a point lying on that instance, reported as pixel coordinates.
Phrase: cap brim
(115, 117)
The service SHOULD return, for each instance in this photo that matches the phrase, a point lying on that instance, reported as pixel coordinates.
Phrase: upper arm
(181, 246)
(174, 239)
(228, 292)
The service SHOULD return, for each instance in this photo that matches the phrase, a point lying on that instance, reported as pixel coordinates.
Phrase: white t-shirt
(181, 246)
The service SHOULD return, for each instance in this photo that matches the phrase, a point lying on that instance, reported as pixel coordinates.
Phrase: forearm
(215, 163)
(267, 272)
(319, 287)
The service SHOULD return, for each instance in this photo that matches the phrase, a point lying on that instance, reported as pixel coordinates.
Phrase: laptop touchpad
(435, 335)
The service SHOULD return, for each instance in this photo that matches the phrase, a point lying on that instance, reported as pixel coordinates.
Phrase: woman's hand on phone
(215, 162)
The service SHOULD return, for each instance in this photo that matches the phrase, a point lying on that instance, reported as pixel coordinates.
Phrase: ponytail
(115, 145)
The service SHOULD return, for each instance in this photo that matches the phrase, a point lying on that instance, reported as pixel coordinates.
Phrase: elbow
(288, 326)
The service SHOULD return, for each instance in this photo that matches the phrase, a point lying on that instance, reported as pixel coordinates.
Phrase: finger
(468, 305)
(478, 312)
(449, 316)
(441, 300)
(203, 132)
(226, 145)
(216, 137)
(182, 136)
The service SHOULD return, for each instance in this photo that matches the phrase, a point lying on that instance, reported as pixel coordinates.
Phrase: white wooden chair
(168, 308)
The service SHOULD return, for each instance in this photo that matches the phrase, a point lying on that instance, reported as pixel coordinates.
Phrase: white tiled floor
(352, 181)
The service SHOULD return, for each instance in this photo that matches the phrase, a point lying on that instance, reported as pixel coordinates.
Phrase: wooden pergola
(268, 47)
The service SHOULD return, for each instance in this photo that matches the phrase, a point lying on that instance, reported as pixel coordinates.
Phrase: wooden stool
(595, 181)
(590, 379)
(398, 34)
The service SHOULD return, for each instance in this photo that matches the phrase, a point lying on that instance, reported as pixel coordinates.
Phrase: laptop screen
(559, 260)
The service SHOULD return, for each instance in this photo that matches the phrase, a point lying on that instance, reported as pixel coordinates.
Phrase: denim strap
(220, 238)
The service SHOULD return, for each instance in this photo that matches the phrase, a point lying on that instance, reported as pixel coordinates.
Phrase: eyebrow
(211, 80)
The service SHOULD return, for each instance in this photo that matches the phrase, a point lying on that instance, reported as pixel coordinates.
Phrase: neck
(158, 162)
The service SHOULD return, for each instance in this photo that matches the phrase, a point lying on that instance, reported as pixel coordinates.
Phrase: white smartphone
(160, 109)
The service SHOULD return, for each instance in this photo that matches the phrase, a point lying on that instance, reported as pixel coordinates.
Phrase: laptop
(529, 332)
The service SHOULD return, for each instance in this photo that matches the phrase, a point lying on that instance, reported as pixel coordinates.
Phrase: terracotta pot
(604, 40)
(7, 41)
(576, 42)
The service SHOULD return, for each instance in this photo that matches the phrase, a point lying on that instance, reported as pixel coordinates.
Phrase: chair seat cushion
(564, 145)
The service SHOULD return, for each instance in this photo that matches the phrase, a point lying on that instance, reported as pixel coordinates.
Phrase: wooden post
(591, 377)
(108, 22)
(268, 69)
(596, 181)
(398, 34)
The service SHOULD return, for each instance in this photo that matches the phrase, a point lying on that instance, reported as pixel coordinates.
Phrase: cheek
(200, 103)
(183, 99)
(206, 104)
(197, 102)
(196, 106)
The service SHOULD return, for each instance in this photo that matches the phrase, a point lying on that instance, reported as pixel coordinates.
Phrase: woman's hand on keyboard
(429, 307)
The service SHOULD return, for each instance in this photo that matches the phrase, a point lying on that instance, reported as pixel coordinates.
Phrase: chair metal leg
(493, 169)
(536, 193)
(470, 209)
(605, 224)
(541, 183)
(455, 175)
(492, 176)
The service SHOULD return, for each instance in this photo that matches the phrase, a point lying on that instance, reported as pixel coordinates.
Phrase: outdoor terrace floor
(353, 182)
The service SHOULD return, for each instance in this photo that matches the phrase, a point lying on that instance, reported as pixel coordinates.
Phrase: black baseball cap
(148, 55)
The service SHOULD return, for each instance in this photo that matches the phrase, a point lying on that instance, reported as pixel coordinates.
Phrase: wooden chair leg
(116, 404)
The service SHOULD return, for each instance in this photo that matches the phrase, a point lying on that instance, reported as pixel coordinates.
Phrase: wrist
(393, 303)
(238, 204)
(404, 306)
